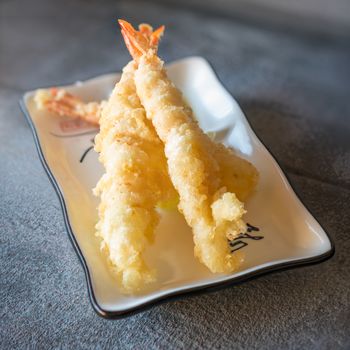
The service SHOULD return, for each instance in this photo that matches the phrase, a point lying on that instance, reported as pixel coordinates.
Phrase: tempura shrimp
(213, 212)
(135, 181)
(238, 175)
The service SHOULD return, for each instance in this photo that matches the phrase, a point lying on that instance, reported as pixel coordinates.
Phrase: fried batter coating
(237, 174)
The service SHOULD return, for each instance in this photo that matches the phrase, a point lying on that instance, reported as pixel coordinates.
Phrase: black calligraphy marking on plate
(92, 140)
(87, 150)
(85, 154)
(239, 242)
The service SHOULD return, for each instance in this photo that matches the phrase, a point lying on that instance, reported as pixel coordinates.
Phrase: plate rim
(191, 290)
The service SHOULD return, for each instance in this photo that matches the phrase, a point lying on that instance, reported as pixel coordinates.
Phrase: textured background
(294, 88)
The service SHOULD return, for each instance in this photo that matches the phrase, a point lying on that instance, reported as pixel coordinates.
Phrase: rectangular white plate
(291, 236)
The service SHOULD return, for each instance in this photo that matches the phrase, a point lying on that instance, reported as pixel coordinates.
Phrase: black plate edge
(179, 294)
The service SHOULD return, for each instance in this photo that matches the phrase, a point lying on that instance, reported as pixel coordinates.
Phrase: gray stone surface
(294, 90)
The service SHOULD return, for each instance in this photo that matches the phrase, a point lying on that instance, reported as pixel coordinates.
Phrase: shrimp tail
(63, 103)
(139, 42)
